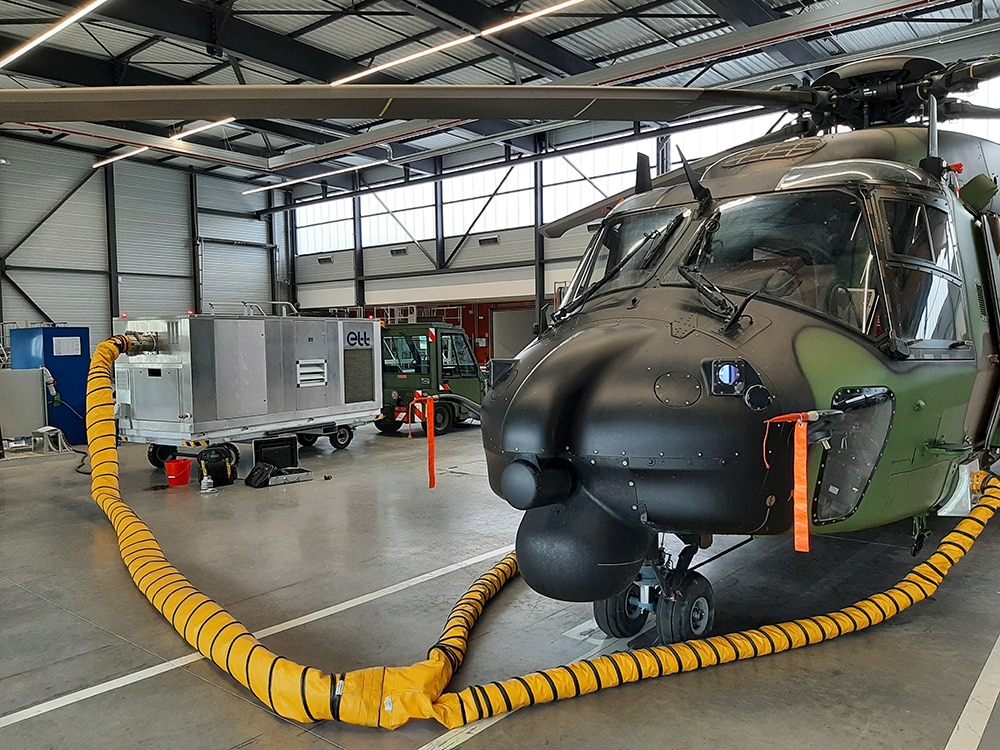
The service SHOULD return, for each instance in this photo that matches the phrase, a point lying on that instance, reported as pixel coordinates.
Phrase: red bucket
(178, 472)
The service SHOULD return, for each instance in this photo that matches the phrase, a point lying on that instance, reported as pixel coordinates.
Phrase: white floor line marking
(144, 674)
(972, 723)
(457, 737)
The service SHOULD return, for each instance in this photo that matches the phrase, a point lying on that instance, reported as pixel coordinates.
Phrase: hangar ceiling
(704, 43)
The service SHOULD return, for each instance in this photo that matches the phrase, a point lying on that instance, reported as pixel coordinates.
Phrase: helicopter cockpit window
(923, 279)
(626, 252)
(808, 248)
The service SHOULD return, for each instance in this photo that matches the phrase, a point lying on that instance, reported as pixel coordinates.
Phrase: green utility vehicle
(428, 359)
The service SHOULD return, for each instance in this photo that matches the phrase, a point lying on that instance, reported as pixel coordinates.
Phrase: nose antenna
(701, 193)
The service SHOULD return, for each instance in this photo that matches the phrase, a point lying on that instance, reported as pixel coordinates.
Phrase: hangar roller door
(233, 274)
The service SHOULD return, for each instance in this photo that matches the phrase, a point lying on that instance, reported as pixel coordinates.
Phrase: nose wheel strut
(681, 598)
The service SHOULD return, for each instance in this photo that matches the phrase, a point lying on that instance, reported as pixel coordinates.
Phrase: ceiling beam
(215, 32)
(518, 44)
(834, 19)
(744, 14)
(74, 69)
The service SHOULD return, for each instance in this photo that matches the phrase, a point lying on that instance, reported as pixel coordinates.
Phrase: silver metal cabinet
(215, 378)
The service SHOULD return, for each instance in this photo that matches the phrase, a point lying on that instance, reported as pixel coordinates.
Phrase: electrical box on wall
(65, 352)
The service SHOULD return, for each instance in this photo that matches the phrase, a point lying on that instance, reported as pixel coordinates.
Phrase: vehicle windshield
(405, 354)
(626, 252)
(810, 248)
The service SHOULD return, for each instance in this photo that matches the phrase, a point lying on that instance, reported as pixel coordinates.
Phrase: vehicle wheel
(686, 612)
(306, 439)
(444, 419)
(342, 437)
(158, 455)
(387, 426)
(620, 616)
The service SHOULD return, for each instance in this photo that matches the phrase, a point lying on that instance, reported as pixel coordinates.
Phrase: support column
(111, 216)
(539, 240)
(359, 254)
(195, 244)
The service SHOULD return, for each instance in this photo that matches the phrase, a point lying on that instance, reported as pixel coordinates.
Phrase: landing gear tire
(342, 438)
(444, 419)
(305, 439)
(620, 616)
(387, 426)
(686, 611)
(158, 455)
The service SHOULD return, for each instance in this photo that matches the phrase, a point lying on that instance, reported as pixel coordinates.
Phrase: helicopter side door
(935, 338)
(986, 400)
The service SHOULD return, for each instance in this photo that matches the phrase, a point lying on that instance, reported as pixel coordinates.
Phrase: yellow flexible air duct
(390, 697)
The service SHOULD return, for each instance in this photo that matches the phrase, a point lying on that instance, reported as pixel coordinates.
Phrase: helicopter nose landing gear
(681, 599)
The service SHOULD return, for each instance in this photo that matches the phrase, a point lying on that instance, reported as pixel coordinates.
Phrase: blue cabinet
(66, 353)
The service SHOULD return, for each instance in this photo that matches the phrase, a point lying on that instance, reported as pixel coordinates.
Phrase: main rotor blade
(196, 102)
(956, 109)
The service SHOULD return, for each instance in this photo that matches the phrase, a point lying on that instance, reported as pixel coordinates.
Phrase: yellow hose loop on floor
(391, 697)
(300, 693)
(386, 697)
(581, 678)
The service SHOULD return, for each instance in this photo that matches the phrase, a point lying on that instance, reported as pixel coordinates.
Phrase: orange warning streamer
(800, 495)
(431, 470)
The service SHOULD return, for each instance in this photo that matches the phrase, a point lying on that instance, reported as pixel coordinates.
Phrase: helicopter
(804, 335)
(799, 335)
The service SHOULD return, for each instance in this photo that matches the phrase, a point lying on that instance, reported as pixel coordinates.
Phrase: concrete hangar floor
(372, 561)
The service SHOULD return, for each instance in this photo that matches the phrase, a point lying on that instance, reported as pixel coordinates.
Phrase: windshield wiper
(663, 234)
(719, 304)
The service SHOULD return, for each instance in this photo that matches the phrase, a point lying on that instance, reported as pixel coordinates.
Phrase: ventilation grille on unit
(983, 309)
(310, 373)
(397, 251)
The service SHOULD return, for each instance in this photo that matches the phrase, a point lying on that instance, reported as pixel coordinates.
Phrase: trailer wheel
(306, 439)
(342, 437)
(158, 455)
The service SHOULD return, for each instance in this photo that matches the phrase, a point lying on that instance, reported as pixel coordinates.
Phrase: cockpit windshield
(810, 248)
(626, 252)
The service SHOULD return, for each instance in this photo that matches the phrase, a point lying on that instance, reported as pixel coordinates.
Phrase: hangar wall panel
(225, 195)
(16, 309)
(155, 296)
(379, 260)
(491, 248)
(215, 227)
(34, 182)
(498, 284)
(153, 220)
(53, 211)
(233, 274)
(73, 298)
(312, 269)
(328, 294)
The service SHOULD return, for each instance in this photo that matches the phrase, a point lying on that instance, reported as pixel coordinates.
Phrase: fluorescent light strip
(201, 128)
(119, 157)
(300, 180)
(410, 58)
(461, 40)
(51, 32)
(174, 137)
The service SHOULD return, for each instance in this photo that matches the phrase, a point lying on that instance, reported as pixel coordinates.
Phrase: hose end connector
(139, 343)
